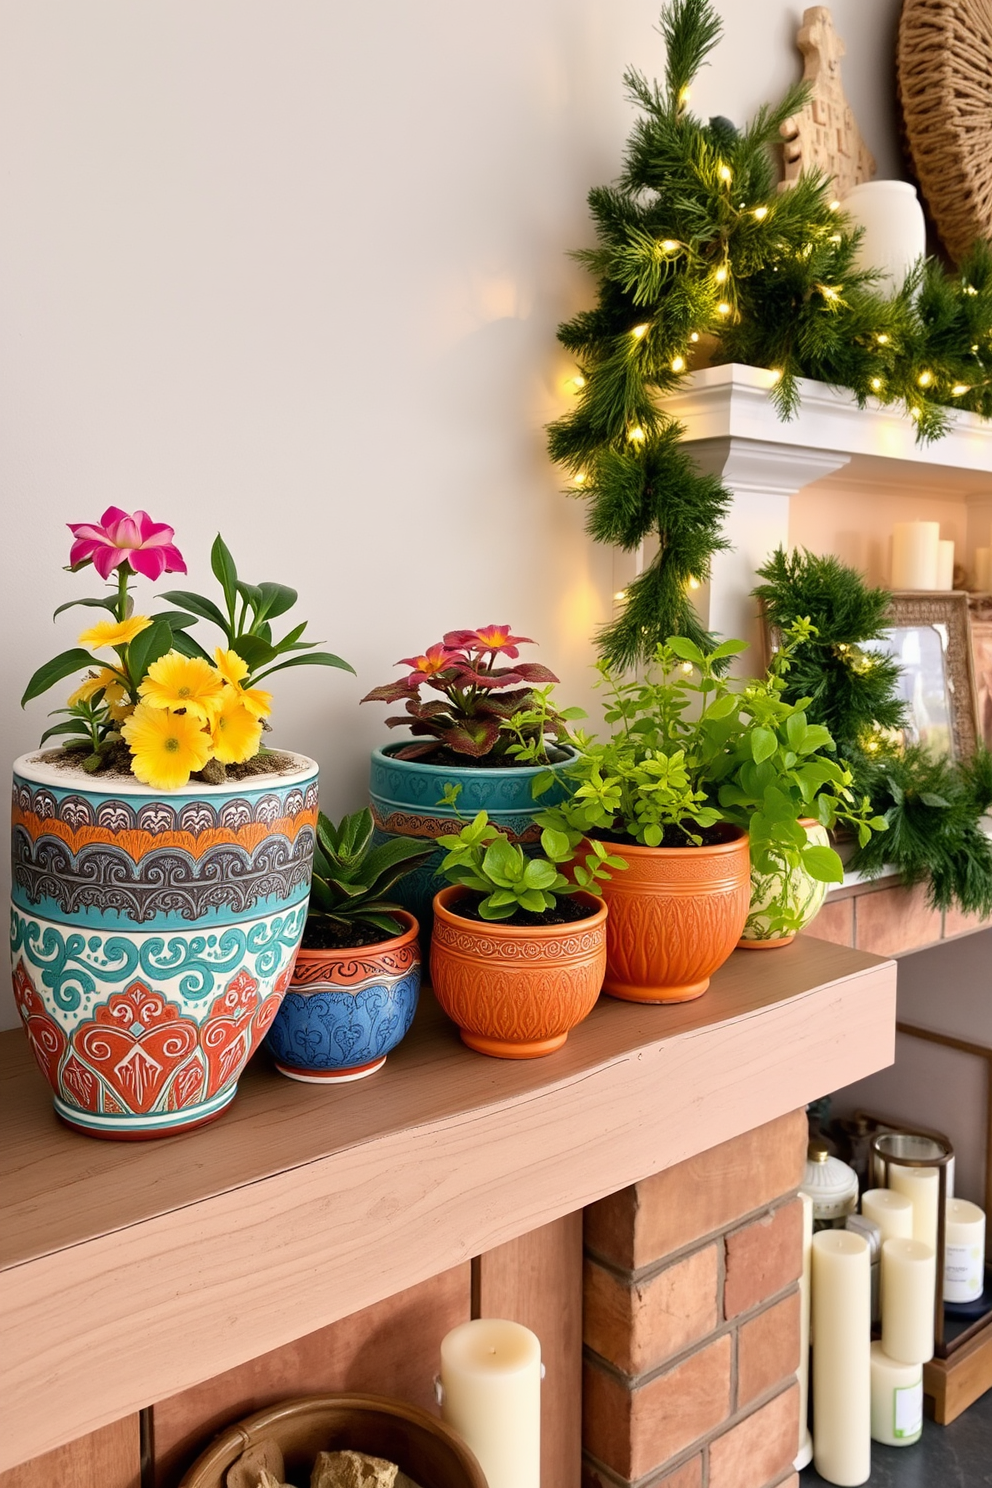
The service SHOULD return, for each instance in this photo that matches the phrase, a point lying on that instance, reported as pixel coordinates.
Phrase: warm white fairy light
(834, 238)
(882, 339)
(639, 332)
(636, 434)
(581, 478)
(725, 173)
(876, 383)
(925, 379)
(776, 373)
(694, 337)
(678, 364)
(669, 245)
(721, 274)
(914, 413)
(687, 668)
(693, 583)
(620, 596)
(760, 213)
(959, 389)
(830, 292)
(578, 382)
(835, 206)
(723, 308)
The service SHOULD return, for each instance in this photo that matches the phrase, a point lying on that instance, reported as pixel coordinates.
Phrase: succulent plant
(352, 878)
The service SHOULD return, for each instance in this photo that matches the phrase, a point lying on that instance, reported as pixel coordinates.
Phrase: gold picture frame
(931, 636)
(980, 616)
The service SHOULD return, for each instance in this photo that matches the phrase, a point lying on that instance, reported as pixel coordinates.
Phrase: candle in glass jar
(909, 1283)
(841, 1286)
(964, 1252)
(891, 1211)
(896, 1400)
(491, 1395)
(922, 1187)
(915, 548)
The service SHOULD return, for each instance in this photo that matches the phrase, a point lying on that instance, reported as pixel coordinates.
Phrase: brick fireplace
(691, 1320)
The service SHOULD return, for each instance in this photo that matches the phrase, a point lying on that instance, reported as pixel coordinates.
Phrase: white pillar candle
(964, 1252)
(491, 1395)
(805, 1454)
(945, 564)
(891, 1211)
(909, 1284)
(896, 1400)
(922, 1187)
(914, 555)
(841, 1287)
(983, 570)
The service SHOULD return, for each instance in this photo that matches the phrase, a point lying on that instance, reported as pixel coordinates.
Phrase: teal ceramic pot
(404, 796)
(153, 935)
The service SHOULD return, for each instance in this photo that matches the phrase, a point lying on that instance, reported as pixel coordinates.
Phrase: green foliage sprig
(932, 807)
(695, 240)
(482, 859)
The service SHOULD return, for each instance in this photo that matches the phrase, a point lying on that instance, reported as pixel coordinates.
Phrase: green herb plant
(482, 859)
(690, 750)
(352, 878)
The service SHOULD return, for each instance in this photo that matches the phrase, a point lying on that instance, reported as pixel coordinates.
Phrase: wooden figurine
(825, 135)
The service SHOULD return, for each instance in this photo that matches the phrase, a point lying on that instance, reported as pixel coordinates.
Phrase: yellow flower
(165, 747)
(234, 669)
(114, 632)
(177, 681)
(236, 734)
(115, 694)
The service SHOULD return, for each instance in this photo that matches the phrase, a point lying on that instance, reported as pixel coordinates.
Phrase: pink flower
(496, 639)
(119, 538)
(437, 659)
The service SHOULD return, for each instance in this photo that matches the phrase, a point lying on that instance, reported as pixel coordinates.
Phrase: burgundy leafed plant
(477, 700)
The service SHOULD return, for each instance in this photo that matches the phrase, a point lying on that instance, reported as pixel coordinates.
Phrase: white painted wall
(292, 269)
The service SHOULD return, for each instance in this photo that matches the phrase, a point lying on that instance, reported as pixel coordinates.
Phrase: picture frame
(931, 635)
(980, 616)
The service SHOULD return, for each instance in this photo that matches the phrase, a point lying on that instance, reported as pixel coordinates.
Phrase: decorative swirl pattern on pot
(196, 816)
(492, 947)
(320, 1031)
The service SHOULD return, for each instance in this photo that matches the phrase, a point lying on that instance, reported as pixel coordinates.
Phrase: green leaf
(686, 649)
(71, 726)
(727, 648)
(823, 864)
(275, 599)
(723, 707)
(147, 648)
(539, 874)
(314, 658)
(53, 671)
(186, 645)
(199, 605)
(110, 603)
(556, 844)
(224, 571)
(795, 731)
(253, 650)
(533, 900)
(930, 798)
(763, 744)
(252, 594)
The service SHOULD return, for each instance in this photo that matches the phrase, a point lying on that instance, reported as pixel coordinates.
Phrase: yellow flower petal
(114, 692)
(90, 684)
(177, 681)
(236, 734)
(232, 667)
(114, 632)
(165, 747)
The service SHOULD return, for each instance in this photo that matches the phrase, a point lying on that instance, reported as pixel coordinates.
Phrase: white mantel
(734, 431)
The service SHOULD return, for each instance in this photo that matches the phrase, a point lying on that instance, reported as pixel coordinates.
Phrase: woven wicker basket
(944, 59)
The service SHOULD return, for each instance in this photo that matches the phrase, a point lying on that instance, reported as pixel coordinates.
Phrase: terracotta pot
(515, 992)
(424, 1448)
(675, 916)
(346, 1009)
(794, 891)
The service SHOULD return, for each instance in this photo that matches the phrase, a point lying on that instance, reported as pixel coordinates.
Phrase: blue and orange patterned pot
(153, 936)
(404, 796)
(345, 1010)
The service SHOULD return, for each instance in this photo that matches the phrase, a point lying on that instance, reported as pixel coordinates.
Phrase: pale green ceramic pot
(801, 895)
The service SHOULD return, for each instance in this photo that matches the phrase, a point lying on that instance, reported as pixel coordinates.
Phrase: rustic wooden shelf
(131, 1271)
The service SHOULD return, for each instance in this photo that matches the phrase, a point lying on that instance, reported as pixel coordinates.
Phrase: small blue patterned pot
(347, 1009)
(404, 795)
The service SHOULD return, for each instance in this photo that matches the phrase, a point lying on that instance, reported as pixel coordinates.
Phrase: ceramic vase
(345, 1010)
(895, 230)
(790, 893)
(153, 935)
(405, 796)
(676, 914)
(515, 992)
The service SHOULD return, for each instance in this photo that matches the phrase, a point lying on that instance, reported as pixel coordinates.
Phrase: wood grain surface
(131, 1272)
(537, 1280)
(108, 1458)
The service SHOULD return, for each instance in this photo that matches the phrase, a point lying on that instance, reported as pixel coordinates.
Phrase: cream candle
(964, 1252)
(945, 564)
(805, 1454)
(914, 555)
(841, 1290)
(491, 1395)
(896, 1400)
(922, 1187)
(983, 570)
(909, 1284)
(891, 1211)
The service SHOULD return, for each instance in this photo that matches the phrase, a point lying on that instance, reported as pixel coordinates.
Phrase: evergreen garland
(933, 807)
(695, 239)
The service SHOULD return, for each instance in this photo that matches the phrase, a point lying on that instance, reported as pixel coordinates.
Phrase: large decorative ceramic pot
(675, 916)
(346, 1009)
(516, 992)
(404, 796)
(153, 936)
(783, 899)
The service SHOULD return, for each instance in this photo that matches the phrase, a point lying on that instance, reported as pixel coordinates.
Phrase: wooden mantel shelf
(131, 1271)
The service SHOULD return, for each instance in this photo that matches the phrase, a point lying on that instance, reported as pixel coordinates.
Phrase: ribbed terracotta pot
(516, 992)
(675, 916)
